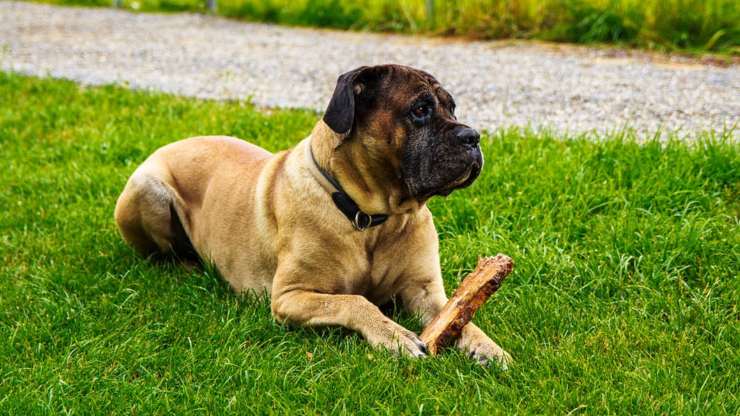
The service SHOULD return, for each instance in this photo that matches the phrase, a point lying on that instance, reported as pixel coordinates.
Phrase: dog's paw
(486, 354)
(482, 348)
(398, 340)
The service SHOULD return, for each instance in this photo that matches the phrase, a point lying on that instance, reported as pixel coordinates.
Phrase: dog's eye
(421, 112)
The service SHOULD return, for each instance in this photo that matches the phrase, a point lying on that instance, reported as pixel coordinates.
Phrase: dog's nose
(466, 135)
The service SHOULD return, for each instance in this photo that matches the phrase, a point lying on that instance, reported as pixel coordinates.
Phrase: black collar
(360, 220)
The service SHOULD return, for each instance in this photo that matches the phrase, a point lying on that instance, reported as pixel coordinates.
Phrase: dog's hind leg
(149, 214)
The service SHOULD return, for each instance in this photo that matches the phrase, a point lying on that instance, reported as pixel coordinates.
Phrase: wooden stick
(473, 292)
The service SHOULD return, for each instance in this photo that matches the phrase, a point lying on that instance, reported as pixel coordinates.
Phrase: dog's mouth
(465, 179)
(442, 177)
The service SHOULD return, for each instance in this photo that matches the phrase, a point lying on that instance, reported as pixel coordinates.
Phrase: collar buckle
(362, 221)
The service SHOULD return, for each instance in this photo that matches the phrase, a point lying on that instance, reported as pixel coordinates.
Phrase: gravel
(496, 84)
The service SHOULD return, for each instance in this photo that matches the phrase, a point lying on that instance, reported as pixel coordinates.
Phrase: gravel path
(495, 84)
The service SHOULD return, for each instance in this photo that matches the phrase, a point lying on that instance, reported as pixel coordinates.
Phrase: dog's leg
(426, 299)
(350, 311)
(147, 216)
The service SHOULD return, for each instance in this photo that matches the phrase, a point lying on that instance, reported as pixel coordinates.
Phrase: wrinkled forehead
(404, 86)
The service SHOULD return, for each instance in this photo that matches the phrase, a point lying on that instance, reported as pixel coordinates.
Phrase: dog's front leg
(426, 298)
(350, 311)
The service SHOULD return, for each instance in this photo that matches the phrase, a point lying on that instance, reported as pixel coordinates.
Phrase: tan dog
(332, 227)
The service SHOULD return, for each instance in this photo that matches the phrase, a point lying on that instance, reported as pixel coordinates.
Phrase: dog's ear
(340, 114)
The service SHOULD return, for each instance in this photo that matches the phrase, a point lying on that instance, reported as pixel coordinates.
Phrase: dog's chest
(380, 273)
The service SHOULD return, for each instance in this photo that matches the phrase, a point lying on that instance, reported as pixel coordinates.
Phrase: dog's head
(406, 120)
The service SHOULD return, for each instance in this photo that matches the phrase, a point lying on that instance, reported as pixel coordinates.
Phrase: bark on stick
(473, 292)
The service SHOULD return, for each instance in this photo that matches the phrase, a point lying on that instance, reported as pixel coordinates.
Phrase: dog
(332, 227)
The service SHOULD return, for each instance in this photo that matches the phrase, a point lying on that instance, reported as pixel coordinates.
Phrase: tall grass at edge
(698, 25)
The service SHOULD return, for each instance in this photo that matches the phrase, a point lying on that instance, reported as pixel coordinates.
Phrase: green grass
(624, 298)
(689, 25)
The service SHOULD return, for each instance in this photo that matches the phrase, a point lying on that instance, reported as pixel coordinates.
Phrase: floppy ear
(340, 114)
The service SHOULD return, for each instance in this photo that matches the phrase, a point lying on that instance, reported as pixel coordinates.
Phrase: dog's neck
(371, 183)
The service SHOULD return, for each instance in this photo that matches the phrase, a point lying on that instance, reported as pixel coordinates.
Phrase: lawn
(624, 298)
(687, 25)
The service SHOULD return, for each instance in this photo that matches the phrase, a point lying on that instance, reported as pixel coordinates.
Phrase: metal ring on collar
(358, 225)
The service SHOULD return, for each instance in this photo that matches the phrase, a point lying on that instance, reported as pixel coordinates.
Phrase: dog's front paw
(486, 353)
(397, 339)
(482, 348)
